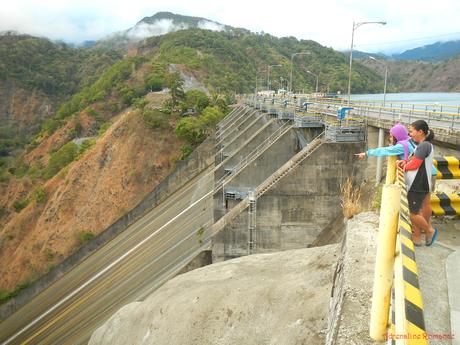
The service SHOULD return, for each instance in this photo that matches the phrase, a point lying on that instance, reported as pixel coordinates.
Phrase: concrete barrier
(443, 204)
(448, 167)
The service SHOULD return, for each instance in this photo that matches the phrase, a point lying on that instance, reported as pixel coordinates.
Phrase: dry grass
(350, 198)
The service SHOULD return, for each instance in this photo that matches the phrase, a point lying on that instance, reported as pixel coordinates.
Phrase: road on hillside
(127, 269)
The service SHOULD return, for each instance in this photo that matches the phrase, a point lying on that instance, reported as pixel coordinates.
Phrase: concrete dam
(265, 182)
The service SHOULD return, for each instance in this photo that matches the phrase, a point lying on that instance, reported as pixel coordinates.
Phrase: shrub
(93, 113)
(211, 116)
(350, 198)
(84, 237)
(20, 204)
(5, 296)
(191, 130)
(377, 200)
(20, 170)
(103, 128)
(185, 152)
(59, 159)
(154, 118)
(49, 254)
(140, 103)
(39, 195)
(154, 82)
(35, 171)
(85, 146)
(195, 99)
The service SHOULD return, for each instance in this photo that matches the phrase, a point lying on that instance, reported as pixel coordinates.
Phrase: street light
(386, 75)
(292, 63)
(257, 77)
(355, 26)
(378, 173)
(317, 78)
(268, 76)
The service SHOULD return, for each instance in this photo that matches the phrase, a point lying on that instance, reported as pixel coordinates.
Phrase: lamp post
(378, 175)
(355, 26)
(292, 63)
(268, 74)
(386, 76)
(317, 79)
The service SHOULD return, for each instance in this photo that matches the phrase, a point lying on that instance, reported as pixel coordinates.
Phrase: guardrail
(396, 272)
(438, 116)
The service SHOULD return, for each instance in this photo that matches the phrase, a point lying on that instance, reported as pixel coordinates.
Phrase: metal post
(317, 78)
(268, 77)
(351, 61)
(355, 26)
(378, 174)
(386, 76)
(385, 85)
(383, 277)
(292, 65)
(252, 209)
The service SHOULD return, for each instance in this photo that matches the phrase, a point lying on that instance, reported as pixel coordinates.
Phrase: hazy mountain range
(435, 52)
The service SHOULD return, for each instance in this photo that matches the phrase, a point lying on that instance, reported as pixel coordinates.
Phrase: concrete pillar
(378, 173)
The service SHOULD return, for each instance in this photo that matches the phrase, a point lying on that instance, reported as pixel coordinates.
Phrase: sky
(410, 23)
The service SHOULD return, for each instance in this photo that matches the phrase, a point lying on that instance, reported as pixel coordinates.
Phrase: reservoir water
(425, 98)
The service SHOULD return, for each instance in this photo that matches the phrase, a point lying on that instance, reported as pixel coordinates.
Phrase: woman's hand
(401, 163)
(361, 155)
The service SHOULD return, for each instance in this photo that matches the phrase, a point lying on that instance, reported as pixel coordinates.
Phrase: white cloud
(328, 22)
(208, 25)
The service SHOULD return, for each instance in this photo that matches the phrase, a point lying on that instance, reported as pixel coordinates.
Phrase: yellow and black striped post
(448, 167)
(409, 325)
(443, 204)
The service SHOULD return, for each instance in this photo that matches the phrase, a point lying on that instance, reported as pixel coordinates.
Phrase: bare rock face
(277, 298)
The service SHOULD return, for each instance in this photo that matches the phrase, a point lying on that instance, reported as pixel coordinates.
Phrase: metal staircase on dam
(285, 169)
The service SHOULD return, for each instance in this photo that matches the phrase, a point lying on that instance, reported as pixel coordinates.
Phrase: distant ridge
(435, 52)
(160, 23)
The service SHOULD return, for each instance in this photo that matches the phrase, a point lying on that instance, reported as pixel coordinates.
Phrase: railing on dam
(396, 279)
(438, 116)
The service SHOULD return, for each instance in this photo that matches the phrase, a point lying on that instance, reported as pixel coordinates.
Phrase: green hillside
(227, 61)
(55, 69)
(102, 83)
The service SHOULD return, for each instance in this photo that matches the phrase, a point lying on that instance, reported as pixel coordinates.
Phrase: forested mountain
(435, 52)
(229, 61)
(36, 75)
(420, 76)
